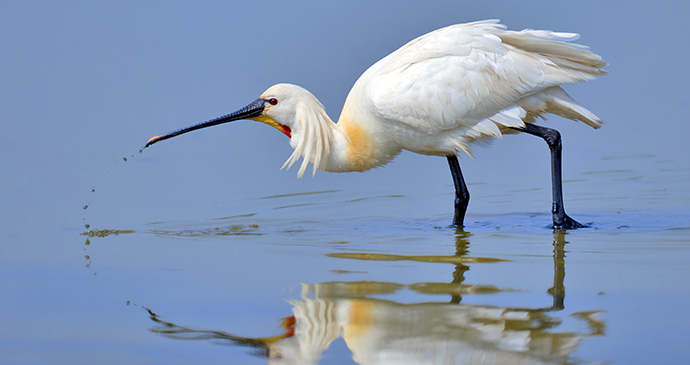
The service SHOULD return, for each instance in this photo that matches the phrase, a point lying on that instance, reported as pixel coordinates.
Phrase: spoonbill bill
(437, 95)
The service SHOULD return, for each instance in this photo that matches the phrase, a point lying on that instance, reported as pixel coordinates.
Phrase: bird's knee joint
(462, 201)
(553, 138)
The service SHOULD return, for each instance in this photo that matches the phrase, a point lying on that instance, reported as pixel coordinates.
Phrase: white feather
(314, 143)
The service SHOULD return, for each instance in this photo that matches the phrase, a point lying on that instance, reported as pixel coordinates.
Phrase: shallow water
(308, 289)
(200, 250)
(144, 269)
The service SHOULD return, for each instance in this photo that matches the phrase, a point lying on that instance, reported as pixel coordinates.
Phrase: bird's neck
(359, 144)
(355, 143)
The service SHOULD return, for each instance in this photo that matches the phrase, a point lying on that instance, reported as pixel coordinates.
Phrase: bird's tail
(555, 100)
(572, 62)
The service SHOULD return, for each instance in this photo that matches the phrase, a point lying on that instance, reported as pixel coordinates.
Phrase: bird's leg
(462, 195)
(553, 139)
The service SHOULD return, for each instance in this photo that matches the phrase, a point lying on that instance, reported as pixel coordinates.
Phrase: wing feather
(470, 76)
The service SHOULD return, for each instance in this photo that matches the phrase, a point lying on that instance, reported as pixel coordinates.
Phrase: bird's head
(290, 109)
(283, 106)
(275, 107)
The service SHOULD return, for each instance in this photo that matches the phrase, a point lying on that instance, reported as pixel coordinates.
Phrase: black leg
(462, 195)
(553, 139)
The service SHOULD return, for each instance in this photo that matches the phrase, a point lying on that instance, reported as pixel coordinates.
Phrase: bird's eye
(273, 101)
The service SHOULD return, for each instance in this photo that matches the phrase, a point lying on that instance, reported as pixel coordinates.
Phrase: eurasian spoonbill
(437, 95)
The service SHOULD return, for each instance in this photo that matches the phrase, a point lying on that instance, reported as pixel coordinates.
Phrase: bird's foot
(567, 223)
(458, 221)
(459, 216)
(458, 226)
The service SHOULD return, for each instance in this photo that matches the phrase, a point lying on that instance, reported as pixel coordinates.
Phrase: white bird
(437, 95)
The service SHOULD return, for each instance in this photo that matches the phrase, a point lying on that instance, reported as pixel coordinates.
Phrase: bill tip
(152, 140)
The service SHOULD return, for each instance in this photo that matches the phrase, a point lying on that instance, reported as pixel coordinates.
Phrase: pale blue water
(207, 233)
(623, 284)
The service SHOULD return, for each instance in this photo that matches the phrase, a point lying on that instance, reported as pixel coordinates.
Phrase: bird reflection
(462, 244)
(379, 331)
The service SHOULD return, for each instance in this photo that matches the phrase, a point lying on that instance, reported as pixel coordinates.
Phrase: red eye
(273, 101)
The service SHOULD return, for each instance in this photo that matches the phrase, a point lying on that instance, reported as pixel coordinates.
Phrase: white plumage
(469, 81)
(436, 95)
